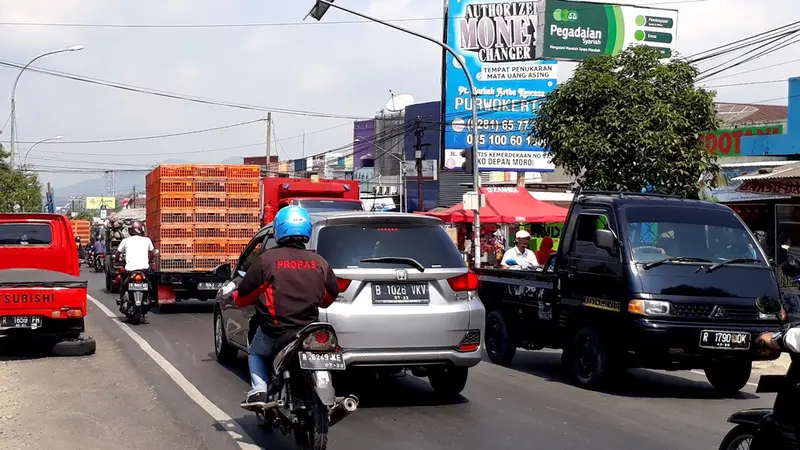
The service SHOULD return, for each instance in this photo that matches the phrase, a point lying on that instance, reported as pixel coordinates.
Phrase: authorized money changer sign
(496, 41)
(577, 30)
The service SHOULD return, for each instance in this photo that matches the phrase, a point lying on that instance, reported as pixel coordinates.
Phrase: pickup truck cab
(639, 280)
(41, 291)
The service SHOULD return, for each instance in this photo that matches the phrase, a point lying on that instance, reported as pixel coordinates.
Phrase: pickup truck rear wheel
(589, 362)
(225, 352)
(729, 377)
(80, 346)
(499, 344)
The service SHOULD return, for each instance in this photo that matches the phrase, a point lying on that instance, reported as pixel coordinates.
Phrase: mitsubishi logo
(401, 275)
(718, 313)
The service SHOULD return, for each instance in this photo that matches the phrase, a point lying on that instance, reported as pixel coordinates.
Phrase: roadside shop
(506, 211)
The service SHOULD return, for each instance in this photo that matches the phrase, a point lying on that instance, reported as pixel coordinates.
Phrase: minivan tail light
(465, 282)
(343, 284)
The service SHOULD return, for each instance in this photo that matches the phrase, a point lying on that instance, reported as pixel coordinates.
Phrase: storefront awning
(781, 181)
(506, 205)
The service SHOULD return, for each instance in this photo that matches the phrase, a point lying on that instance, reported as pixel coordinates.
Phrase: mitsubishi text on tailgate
(40, 286)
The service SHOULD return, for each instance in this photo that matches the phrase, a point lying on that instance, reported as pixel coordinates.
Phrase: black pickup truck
(639, 280)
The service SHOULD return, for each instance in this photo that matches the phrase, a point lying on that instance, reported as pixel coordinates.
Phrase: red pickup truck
(41, 291)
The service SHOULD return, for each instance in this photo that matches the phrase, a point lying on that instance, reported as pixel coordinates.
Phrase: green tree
(629, 121)
(18, 187)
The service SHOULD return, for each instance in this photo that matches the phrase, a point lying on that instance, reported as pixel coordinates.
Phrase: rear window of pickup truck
(346, 246)
(25, 234)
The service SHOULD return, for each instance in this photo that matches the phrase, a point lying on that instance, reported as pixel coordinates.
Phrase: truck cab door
(591, 277)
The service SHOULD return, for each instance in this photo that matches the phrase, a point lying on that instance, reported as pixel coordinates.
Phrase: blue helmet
(292, 222)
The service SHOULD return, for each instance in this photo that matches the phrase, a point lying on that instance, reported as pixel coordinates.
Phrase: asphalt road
(528, 406)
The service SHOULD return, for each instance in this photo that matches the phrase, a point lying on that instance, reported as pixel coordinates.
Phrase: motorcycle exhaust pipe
(350, 403)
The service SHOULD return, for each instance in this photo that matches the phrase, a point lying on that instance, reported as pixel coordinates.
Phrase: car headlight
(649, 307)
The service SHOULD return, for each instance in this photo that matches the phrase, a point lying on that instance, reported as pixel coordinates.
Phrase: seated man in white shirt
(524, 257)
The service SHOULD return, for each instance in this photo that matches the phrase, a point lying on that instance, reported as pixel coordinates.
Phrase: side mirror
(223, 271)
(769, 306)
(605, 239)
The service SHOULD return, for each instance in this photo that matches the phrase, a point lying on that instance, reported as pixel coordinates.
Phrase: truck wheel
(449, 382)
(81, 346)
(225, 352)
(589, 362)
(499, 345)
(729, 377)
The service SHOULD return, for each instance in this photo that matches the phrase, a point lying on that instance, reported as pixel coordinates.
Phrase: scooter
(752, 424)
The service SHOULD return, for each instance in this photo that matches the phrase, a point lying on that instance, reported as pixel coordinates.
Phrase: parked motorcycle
(135, 301)
(753, 423)
(302, 398)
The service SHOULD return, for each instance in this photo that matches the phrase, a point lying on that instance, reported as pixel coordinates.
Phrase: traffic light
(469, 161)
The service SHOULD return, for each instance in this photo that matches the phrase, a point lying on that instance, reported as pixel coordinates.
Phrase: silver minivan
(407, 299)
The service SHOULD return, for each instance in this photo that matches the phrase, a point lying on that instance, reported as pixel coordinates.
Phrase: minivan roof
(353, 217)
(617, 200)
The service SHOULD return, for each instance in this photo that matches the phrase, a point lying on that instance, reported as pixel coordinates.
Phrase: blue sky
(343, 69)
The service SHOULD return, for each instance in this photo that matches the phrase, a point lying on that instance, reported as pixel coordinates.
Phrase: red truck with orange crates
(321, 195)
(199, 217)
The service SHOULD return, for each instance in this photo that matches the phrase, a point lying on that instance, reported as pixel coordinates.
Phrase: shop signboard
(429, 170)
(762, 189)
(495, 41)
(727, 143)
(94, 203)
(729, 190)
(574, 31)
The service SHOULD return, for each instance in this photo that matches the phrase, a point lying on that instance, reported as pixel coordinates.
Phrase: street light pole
(74, 48)
(402, 173)
(319, 10)
(55, 138)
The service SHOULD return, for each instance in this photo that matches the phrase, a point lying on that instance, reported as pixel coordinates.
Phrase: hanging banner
(574, 31)
(496, 42)
(730, 190)
(763, 189)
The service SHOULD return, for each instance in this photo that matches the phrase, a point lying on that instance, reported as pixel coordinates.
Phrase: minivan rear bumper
(663, 344)
(411, 357)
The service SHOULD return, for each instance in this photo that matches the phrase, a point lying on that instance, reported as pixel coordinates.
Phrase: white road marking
(700, 372)
(223, 419)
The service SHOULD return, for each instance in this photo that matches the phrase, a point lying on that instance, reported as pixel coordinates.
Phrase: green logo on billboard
(565, 15)
(640, 21)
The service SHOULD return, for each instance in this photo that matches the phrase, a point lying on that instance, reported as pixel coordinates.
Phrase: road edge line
(225, 421)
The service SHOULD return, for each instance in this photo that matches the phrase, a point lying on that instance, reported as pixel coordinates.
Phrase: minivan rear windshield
(657, 233)
(25, 234)
(345, 246)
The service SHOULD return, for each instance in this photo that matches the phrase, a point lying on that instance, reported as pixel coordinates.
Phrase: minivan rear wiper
(397, 259)
(652, 264)
(732, 261)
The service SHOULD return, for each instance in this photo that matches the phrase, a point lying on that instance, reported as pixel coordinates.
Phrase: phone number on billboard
(507, 125)
(511, 140)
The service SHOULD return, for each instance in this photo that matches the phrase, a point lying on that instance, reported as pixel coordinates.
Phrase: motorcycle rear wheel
(312, 433)
(739, 438)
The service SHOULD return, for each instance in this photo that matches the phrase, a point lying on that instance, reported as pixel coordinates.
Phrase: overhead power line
(178, 96)
(212, 25)
(143, 138)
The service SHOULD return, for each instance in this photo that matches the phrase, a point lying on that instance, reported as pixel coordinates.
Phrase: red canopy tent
(506, 205)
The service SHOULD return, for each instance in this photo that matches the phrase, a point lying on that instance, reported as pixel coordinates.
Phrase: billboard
(725, 143)
(95, 202)
(496, 42)
(577, 30)
(730, 190)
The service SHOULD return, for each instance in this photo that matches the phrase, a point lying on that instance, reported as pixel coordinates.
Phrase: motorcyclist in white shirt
(138, 250)
(520, 257)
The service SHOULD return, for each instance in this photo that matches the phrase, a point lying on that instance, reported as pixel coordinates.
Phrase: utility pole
(134, 198)
(418, 156)
(269, 142)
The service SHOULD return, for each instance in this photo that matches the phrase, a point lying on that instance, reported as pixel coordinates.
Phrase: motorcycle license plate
(33, 322)
(321, 361)
(725, 340)
(208, 286)
(137, 287)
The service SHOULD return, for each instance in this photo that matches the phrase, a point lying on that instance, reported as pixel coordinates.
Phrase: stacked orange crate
(199, 215)
(81, 228)
(243, 208)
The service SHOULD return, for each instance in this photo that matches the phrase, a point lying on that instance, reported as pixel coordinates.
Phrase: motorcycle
(303, 399)
(98, 262)
(135, 301)
(756, 424)
(89, 258)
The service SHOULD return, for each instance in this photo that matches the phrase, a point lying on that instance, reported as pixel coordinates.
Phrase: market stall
(506, 210)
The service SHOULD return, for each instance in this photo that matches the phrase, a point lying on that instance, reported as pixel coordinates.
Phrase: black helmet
(136, 229)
